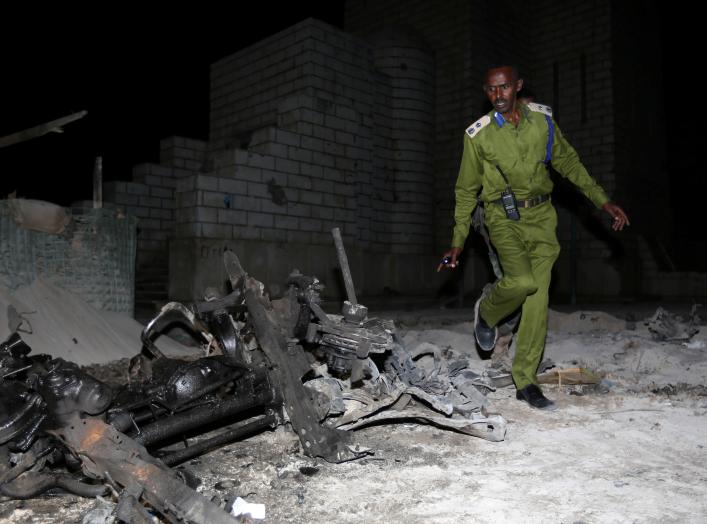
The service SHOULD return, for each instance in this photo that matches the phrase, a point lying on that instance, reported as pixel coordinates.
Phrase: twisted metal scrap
(666, 327)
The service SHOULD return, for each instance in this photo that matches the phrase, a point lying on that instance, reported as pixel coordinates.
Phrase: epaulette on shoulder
(477, 126)
(539, 108)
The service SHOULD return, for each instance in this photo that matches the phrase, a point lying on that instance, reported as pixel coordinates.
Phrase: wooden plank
(568, 376)
(55, 126)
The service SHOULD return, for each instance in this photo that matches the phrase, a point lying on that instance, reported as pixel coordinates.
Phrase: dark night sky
(141, 78)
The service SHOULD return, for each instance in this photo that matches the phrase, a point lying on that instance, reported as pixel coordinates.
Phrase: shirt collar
(524, 111)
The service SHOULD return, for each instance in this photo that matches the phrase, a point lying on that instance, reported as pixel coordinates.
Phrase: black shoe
(486, 335)
(533, 396)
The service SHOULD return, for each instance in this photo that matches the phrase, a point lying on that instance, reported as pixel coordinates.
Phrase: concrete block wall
(443, 28)
(572, 63)
(311, 117)
(383, 160)
(463, 38)
(319, 127)
(150, 195)
(312, 134)
(184, 154)
(311, 147)
(248, 86)
(409, 67)
(150, 198)
(253, 196)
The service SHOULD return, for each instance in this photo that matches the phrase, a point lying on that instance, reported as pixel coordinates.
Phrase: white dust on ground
(63, 325)
(627, 455)
(635, 453)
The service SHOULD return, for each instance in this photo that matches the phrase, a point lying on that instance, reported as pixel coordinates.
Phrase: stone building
(318, 127)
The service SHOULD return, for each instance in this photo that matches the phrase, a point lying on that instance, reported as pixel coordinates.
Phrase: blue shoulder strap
(550, 139)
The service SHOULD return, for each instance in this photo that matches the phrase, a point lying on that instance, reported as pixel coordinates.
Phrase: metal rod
(220, 440)
(189, 420)
(16, 371)
(344, 264)
(98, 183)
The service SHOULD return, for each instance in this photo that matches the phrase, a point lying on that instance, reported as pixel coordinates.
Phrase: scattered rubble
(605, 455)
(264, 363)
(665, 326)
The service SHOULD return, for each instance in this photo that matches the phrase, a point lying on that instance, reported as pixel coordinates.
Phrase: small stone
(309, 469)
(226, 484)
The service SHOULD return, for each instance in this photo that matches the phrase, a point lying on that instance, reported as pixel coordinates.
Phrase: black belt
(528, 202)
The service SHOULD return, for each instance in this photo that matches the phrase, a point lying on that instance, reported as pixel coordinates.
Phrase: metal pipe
(198, 417)
(344, 264)
(227, 437)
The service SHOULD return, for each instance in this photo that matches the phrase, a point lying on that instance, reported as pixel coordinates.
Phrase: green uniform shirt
(520, 153)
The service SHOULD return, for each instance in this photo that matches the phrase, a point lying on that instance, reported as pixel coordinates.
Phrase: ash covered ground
(631, 449)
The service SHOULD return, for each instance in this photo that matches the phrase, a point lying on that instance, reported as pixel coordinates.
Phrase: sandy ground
(631, 450)
(61, 324)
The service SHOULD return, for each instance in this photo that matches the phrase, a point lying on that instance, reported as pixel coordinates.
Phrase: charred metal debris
(268, 362)
(667, 327)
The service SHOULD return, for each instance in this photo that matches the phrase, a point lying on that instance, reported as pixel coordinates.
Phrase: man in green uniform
(507, 153)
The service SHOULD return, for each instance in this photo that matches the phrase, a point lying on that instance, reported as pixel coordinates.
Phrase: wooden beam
(568, 376)
(55, 126)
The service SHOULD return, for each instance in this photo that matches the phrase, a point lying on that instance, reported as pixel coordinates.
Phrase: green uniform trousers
(527, 250)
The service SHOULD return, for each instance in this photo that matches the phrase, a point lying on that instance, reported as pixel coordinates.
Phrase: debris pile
(52, 320)
(265, 362)
(667, 327)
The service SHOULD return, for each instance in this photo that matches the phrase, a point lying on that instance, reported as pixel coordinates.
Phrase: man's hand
(449, 259)
(620, 218)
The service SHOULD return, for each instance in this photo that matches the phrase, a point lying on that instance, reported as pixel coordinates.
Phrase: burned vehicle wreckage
(267, 362)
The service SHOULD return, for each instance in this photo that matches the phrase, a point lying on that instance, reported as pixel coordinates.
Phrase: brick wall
(572, 71)
(150, 195)
(183, 154)
(345, 131)
(313, 129)
(300, 142)
(150, 198)
(443, 29)
(406, 141)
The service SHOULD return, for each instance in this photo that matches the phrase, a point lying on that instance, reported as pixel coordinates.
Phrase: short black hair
(499, 65)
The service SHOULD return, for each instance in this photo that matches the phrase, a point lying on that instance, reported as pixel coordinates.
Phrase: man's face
(501, 87)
